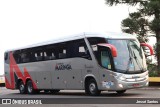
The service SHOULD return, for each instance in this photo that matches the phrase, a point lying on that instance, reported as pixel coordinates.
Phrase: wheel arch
(87, 78)
(18, 81)
(27, 79)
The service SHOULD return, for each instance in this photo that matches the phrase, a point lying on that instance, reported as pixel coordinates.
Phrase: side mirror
(149, 46)
(111, 47)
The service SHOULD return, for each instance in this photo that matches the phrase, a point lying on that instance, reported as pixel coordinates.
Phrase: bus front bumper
(123, 85)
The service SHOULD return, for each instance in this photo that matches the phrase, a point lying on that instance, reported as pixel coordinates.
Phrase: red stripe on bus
(14, 67)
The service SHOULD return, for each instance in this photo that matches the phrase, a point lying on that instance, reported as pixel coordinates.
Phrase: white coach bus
(93, 62)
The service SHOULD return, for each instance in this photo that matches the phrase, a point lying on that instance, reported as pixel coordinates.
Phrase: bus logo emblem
(61, 66)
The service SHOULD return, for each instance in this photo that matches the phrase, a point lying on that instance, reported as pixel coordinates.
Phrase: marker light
(147, 83)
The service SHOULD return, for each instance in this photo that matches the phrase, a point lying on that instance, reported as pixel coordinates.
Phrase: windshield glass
(130, 57)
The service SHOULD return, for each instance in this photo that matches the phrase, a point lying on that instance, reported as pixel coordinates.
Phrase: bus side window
(83, 50)
(105, 60)
(62, 54)
(17, 57)
(61, 50)
(48, 55)
(25, 58)
(93, 43)
(6, 57)
(30, 56)
(39, 56)
(72, 49)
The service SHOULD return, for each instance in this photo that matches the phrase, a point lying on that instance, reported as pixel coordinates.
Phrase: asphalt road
(150, 92)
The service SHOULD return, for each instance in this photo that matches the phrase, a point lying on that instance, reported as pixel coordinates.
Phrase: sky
(27, 22)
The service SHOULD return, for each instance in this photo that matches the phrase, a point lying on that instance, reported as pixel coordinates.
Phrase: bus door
(106, 52)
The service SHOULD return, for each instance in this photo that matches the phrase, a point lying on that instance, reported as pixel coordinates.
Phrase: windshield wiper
(136, 59)
(130, 58)
(138, 63)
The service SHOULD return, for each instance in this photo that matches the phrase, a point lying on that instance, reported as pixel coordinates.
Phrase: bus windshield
(130, 56)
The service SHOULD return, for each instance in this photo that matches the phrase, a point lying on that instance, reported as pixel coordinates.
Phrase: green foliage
(153, 74)
(152, 68)
(147, 8)
(131, 24)
(130, 2)
(138, 23)
(152, 7)
(155, 25)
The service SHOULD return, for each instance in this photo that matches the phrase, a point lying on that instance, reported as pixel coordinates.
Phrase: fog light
(120, 85)
(147, 83)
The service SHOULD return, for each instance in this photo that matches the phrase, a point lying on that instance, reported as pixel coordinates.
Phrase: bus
(89, 61)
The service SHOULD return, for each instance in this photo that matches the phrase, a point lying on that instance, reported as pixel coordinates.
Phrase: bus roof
(110, 35)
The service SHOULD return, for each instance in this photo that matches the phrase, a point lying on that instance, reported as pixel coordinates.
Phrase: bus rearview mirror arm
(149, 46)
(111, 47)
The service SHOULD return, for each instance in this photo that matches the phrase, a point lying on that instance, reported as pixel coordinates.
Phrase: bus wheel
(30, 88)
(54, 91)
(37, 91)
(22, 87)
(92, 88)
(121, 92)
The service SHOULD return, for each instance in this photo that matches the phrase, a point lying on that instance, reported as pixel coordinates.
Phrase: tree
(136, 24)
(149, 8)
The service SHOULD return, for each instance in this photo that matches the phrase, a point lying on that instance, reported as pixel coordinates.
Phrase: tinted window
(69, 49)
(77, 48)
(93, 43)
(6, 57)
(105, 59)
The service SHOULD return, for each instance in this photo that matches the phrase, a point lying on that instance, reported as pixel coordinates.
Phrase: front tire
(22, 88)
(30, 89)
(121, 92)
(91, 88)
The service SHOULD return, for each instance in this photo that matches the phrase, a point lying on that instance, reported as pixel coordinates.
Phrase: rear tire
(46, 91)
(30, 89)
(37, 91)
(22, 87)
(91, 88)
(121, 92)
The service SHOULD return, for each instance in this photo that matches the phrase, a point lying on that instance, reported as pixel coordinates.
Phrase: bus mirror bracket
(111, 47)
(149, 46)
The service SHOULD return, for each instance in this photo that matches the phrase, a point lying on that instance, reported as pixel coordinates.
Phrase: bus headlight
(120, 85)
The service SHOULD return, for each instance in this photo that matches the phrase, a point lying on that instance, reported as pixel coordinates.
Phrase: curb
(154, 79)
(150, 88)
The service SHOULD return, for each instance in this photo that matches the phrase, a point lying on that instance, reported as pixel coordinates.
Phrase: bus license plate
(135, 85)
